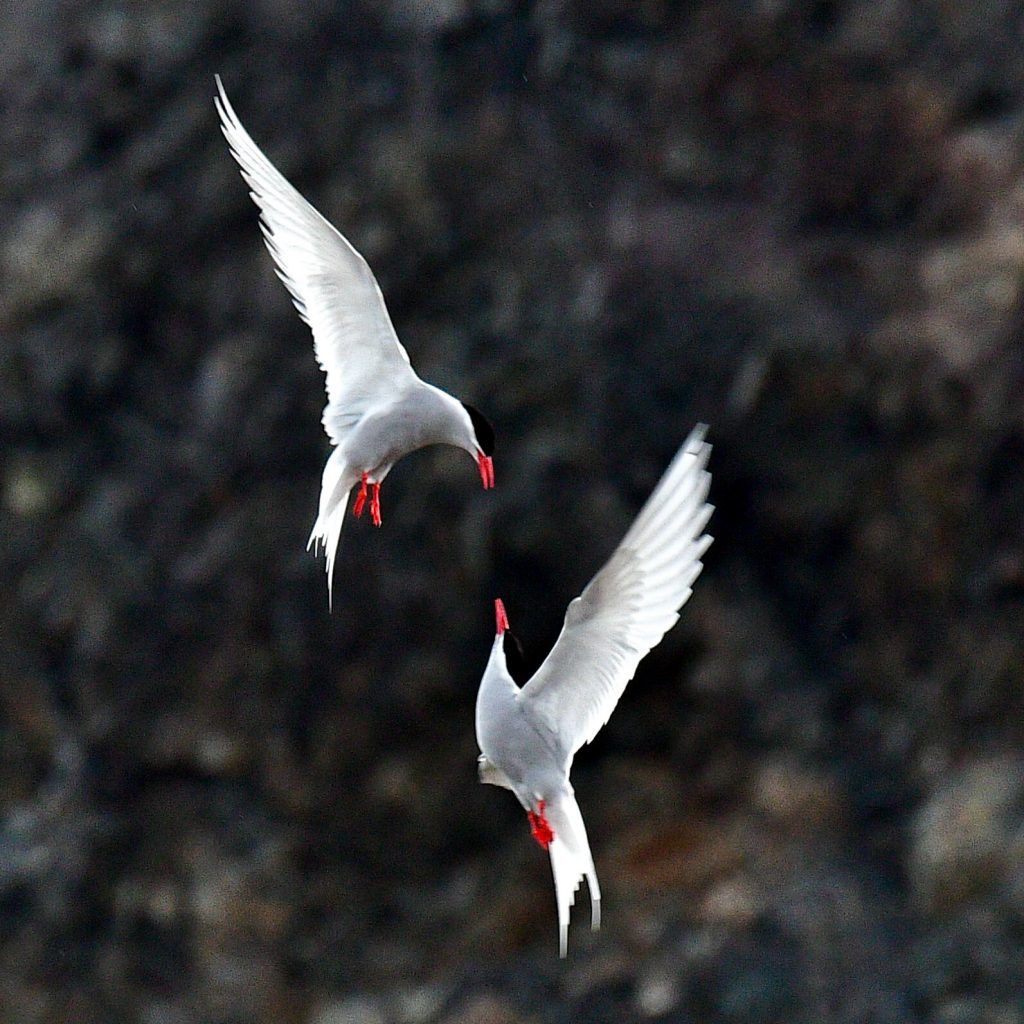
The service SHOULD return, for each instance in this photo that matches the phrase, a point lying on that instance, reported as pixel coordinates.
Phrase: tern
(377, 409)
(528, 736)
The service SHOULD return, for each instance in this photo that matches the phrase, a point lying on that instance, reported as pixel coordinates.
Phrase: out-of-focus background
(599, 222)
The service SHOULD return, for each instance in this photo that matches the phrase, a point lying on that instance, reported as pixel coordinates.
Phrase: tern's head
(507, 644)
(480, 443)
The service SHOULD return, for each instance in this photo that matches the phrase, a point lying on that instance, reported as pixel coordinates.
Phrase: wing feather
(629, 605)
(332, 286)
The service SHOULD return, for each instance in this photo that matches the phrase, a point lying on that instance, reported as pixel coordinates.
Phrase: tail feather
(571, 862)
(335, 485)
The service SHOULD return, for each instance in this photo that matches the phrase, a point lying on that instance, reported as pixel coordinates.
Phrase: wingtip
(697, 439)
(230, 124)
(225, 112)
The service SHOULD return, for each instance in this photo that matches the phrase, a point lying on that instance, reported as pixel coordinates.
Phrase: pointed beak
(500, 618)
(486, 470)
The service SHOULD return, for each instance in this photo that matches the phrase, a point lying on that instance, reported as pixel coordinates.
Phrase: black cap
(515, 658)
(482, 428)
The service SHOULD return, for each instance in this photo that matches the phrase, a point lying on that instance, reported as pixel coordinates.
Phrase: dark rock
(600, 223)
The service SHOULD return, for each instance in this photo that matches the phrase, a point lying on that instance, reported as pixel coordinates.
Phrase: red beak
(500, 618)
(486, 470)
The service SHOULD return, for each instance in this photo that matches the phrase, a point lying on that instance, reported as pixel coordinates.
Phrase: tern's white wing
(628, 606)
(332, 286)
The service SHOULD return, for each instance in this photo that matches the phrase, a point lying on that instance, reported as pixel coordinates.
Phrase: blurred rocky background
(600, 222)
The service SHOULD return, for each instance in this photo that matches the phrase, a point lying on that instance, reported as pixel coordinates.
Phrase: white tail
(335, 485)
(570, 863)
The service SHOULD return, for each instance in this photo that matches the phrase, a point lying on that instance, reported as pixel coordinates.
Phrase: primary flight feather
(377, 409)
(528, 736)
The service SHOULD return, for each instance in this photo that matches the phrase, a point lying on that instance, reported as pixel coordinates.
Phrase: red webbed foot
(540, 827)
(357, 508)
(375, 505)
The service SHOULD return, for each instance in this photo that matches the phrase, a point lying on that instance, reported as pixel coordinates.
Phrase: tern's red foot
(540, 827)
(357, 508)
(375, 505)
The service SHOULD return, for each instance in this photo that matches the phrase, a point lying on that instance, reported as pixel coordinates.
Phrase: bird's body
(378, 409)
(509, 730)
(416, 416)
(528, 736)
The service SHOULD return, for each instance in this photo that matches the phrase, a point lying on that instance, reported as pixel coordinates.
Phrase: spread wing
(628, 606)
(331, 285)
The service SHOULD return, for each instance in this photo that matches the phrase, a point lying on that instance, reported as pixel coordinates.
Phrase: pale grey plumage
(629, 605)
(528, 736)
(378, 409)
